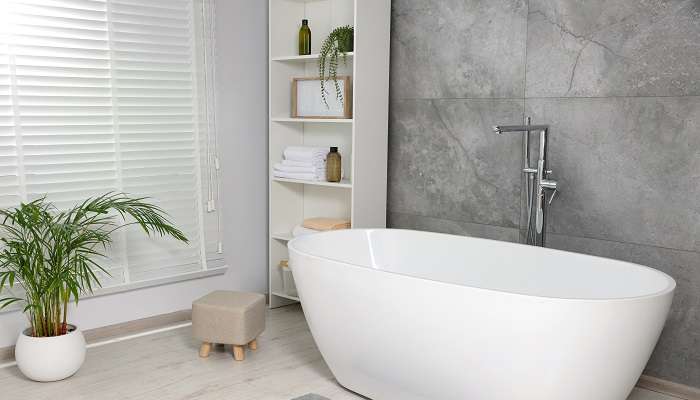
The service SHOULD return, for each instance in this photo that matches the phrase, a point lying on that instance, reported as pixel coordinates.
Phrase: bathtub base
(483, 346)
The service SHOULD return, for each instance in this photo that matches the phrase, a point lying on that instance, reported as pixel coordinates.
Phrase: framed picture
(308, 103)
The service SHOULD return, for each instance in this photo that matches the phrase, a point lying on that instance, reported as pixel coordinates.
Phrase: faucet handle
(549, 184)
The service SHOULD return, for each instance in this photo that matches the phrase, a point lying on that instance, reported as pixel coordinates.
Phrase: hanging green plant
(340, 42)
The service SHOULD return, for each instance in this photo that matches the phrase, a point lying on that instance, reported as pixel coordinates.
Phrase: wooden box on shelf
(308, 103)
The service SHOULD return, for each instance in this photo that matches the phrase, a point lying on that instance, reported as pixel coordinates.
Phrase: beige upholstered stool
(230, 318)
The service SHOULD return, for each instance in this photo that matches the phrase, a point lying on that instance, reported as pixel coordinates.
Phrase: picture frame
(308, 103)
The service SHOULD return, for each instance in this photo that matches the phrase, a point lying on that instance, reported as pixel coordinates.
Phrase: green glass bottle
(304, 38)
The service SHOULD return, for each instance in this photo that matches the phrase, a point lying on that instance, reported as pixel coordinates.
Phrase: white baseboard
(7, 354)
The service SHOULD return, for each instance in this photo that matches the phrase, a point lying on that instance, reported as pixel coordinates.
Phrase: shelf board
(286, 296)
(285, 237)
(310, 57)
(344, 184)
(314, 120)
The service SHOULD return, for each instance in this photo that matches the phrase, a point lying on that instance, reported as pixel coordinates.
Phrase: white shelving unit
(362, 140)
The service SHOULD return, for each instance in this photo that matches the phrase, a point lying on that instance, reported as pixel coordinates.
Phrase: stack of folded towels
(315, 225)
(302, 162)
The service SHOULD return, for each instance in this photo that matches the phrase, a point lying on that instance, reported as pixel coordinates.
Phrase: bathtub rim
(670, 287)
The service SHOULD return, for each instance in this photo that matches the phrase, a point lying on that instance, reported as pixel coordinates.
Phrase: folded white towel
(315, 164)
(292, 172)
(296, 175)
(309, 169)
(304, 167)
(305, 153)
(301, 231)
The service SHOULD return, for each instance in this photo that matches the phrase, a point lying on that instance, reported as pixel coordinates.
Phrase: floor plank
(167, 366)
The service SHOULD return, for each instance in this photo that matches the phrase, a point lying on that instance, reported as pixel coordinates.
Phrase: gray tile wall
(618, 81)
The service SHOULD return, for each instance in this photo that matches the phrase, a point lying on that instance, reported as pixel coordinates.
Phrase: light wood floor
(166, 366)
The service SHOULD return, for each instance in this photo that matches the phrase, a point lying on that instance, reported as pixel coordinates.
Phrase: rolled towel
(305, 153)
(296, 175)
(326, 224)
(301, 231)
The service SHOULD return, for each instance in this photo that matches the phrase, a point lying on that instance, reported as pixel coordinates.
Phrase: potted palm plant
(339, 42)
(54, 256)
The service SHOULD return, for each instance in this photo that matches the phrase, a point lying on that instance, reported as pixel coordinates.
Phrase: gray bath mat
(311, 396)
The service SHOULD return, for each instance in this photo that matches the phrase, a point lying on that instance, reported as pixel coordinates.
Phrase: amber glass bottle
(304, 38)
(333, 165)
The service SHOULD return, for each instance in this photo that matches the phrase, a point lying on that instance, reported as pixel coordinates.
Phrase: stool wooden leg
(238, 353)
(253, 344)
(204, 349)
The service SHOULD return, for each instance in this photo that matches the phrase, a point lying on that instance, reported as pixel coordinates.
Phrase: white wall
(241, 67)
(242, 116)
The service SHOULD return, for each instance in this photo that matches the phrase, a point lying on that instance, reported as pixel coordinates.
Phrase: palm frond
(54, 254)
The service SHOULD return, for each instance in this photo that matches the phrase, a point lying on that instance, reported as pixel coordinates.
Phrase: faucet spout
(500, 129)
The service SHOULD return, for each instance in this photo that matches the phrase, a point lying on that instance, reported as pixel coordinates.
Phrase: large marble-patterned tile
(445, 162)
(421, 223)
(458, 48)
(676, 357)
(601, 48)
(628, 168)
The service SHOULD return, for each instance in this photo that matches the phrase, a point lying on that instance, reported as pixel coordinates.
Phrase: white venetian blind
(108, 95)
(9, 182)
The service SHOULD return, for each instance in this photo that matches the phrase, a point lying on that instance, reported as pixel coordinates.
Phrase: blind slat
(104, 95)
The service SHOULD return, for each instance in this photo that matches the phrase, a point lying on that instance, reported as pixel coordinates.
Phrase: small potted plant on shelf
(340, 42)
(54, 256)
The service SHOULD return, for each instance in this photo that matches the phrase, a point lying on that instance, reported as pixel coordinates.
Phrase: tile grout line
(551, 232)
(522, 214)
(455, 220)
(395, 99)
(625, 243)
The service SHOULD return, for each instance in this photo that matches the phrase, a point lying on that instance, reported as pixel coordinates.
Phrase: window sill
(220, 270)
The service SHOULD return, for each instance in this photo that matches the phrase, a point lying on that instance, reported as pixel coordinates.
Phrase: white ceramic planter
(48, 359)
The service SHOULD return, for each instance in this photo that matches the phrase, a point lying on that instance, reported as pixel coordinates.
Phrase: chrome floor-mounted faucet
(537, 179)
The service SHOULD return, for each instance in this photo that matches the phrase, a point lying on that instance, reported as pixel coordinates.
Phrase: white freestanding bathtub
(414, 315)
